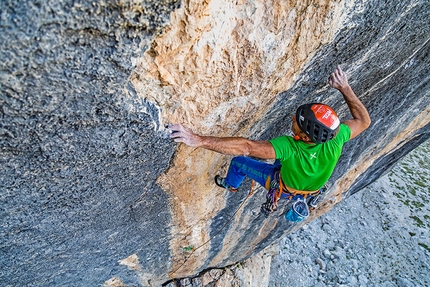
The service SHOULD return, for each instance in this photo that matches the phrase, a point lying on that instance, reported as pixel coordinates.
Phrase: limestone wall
(92, 189)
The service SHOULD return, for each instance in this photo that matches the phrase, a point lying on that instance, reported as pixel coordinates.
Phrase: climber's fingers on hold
(176, 131)
(181, 134)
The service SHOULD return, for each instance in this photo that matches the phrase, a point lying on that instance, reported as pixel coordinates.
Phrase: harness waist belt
(287, 189)
(282, 188)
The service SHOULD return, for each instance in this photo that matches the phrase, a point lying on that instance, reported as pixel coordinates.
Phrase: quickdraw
(274, 193)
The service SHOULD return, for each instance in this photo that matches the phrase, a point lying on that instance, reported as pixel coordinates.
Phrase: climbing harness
(250, 193)
(277, 189)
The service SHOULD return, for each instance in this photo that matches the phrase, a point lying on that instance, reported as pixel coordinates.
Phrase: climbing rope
(250, 193)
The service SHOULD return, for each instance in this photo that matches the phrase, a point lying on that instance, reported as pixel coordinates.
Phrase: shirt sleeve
(282, 147)
(343, 135)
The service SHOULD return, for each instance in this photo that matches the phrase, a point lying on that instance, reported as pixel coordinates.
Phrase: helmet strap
(297, 137)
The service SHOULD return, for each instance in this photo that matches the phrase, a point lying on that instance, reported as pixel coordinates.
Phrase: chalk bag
(298, 211)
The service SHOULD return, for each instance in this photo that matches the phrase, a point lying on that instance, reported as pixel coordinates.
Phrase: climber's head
(317, 123)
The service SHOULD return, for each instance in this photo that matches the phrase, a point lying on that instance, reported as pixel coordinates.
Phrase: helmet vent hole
(317, 129)
(308, 126)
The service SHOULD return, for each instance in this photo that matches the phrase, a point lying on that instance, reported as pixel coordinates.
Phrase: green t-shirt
(309, 166)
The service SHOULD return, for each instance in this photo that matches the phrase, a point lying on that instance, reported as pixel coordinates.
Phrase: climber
(305, 160)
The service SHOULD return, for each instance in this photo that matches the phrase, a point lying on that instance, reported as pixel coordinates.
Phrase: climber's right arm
(361, 119)
(227, 145)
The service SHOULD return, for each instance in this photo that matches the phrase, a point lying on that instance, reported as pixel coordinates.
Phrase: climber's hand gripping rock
(338, 79)
(181, 134)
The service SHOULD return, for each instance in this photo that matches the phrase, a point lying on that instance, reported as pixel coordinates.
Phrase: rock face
(80, 151)
(92, 190)
(253, 272)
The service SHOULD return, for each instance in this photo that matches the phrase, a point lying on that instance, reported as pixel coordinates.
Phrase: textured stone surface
(253, 272)
(80, 151)
(92, 190)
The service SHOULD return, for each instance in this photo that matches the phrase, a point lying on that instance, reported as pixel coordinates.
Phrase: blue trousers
(242, 166)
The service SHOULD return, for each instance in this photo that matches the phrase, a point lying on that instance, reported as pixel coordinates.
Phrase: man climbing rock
(305, 161)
